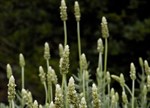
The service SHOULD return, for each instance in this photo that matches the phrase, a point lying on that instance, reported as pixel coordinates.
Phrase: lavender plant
(78, 93)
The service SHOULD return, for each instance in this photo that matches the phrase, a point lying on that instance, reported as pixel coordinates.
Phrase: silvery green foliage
(11, 88)
(72, 94)
(58, 97)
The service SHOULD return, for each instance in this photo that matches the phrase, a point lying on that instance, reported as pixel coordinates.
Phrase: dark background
(25, 25)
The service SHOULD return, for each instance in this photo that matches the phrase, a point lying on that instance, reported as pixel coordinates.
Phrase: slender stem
(133, 84)
(64, 88)
(108, 88)
(65, 33)
(45, 87)
(79, 41)
(22, 76)
(105, 62)
(83, 86)
(12, 103)
(128, 89)
(105, 59)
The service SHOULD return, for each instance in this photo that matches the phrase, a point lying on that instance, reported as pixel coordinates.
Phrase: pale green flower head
(83, 103)
(42, 74)
(77, 11)
(104, 28)
(35, 104)
(27, 97)
(11, 88)
(112, 92)
(144, 91)
(141, 61)
(51, 76)
(61, 49)
(9, 71)
(100, 46)
(148, 81)
(84, 63)
(46, 51)
(108, 77)
(124, 98)
(52, 105)
(147, 68)
(64, 61)
(132, 71)
(58, 97)
(21, 60)
(122, 80)
(63, 10)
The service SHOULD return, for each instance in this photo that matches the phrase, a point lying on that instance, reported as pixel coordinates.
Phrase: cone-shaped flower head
(77, 11)
(46, 51)
(124, 98)
(104, 28)
(63, 10)
(52, 105)
(64, 61)
(58, 97)
(96, 101)
(132, 71)
(11, 88)
(35, 104)
(147, 68)
(42, 74)
(144, 91)
(51, 76)
(72, 94)
(61, 49)
(9, 71)
(83, 103)
(84, 63)
(27, 97)
(141, 61)
(122, 80)
(108, 77)
(100, 46)
(21, 60)
(148, 81)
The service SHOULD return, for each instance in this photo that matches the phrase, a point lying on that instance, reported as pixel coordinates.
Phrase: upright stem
(45, 87)
(65, 33)
(64, 88)
(105, 62)
(22, 76)
(79, 41)
(83, 86)
(133, 83)
(12, 103)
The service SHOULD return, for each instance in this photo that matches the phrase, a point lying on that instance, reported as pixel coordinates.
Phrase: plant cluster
(81, 91)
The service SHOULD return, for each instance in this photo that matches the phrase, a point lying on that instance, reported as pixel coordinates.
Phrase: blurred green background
(25, 25)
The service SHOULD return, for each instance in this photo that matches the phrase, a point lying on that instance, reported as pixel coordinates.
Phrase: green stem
(105, 63)
(128, 89)
(133, 84)
(45, 87)
(12, 103)
(83, 86)
(79, 41)
(22, 76)
(108, 88)
(64, 88)
(65, 33)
